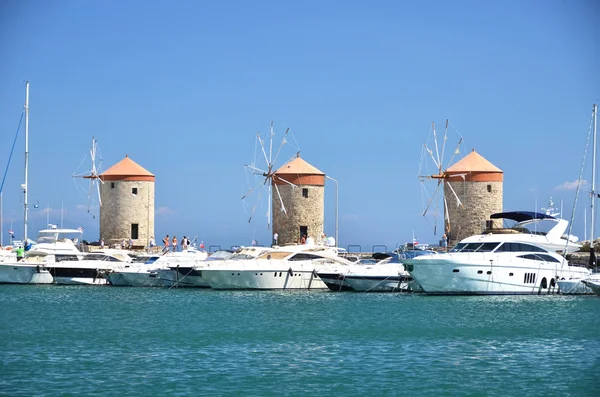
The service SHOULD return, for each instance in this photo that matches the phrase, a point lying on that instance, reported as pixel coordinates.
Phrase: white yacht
(53, 246)
(158, 270)
(91, 269)
(192, 276)
(492, 264)
(286, 267)
(138, 264)
(577, 285)
(385, 275)
(593, 284)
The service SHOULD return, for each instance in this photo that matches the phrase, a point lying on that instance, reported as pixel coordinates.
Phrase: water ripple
(127, 341)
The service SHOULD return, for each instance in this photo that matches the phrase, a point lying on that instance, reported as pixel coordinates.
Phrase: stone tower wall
(301, 211)
(479, 199)
(121, 208)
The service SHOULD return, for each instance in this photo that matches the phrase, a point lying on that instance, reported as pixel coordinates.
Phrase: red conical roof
(472, 162)
(298, 172)
(474, 167)
(127, 170)
(298, 166)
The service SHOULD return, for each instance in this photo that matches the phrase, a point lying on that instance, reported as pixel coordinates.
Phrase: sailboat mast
(1, 232)
(26, 161)
(593, 215)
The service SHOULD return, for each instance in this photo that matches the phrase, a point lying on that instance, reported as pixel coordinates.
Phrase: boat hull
(116, 279)
(334, 281)
(78, 275)
(378, 283)
(481, 276)
(142, 279)
(191, 277)
(574, 287)
(17, 273)
(279, 279)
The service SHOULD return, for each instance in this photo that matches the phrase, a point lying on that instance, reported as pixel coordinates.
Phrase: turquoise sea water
(61, 340)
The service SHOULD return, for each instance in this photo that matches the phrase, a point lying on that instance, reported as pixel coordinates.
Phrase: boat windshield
(248, 253)
(54, 236)
(474, 247)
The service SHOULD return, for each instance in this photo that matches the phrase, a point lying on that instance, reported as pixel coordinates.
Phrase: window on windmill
(305, 193)
(134, 191)
(489, 187)
(112, 185)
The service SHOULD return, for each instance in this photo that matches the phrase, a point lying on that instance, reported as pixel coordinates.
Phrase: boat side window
(547, 258)
(458, 247)
(66, 258)
(479, 247)
(519, 247)
(532, 248)
(530, 256)
(487, 247)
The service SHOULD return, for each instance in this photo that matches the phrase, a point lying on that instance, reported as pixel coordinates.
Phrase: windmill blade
(283, 142)
(459, 203)
(272, 134)
(258, 171)
(269, 208)
(437, 165)
(432, 198)
(444, 142)
(286, 181)
(437, 152)
(254, 207)
(248, 194)
(99, 197)
(446, 214)
(456, 151)
(280, 200)
(262, 148)
(90, 194)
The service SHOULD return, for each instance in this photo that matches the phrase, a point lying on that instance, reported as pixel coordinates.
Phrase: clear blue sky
(182, 87)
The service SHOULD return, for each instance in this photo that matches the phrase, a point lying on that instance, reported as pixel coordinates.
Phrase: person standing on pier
(275, 237)
(184, 243)
(166, 243)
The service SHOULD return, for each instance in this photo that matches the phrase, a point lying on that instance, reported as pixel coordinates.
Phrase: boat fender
(37, 269)
(290, 272)
(314, 273)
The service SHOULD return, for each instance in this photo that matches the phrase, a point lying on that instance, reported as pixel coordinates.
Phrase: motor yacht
(492, 264)
(92, 269)
(285, 267)
(121, 275)
(593, 284)
(52, 246)
(157, 270)
(192, 276)
(576, 285)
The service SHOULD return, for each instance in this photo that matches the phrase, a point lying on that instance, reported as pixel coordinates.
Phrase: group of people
(305, 239)
(172, 244)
